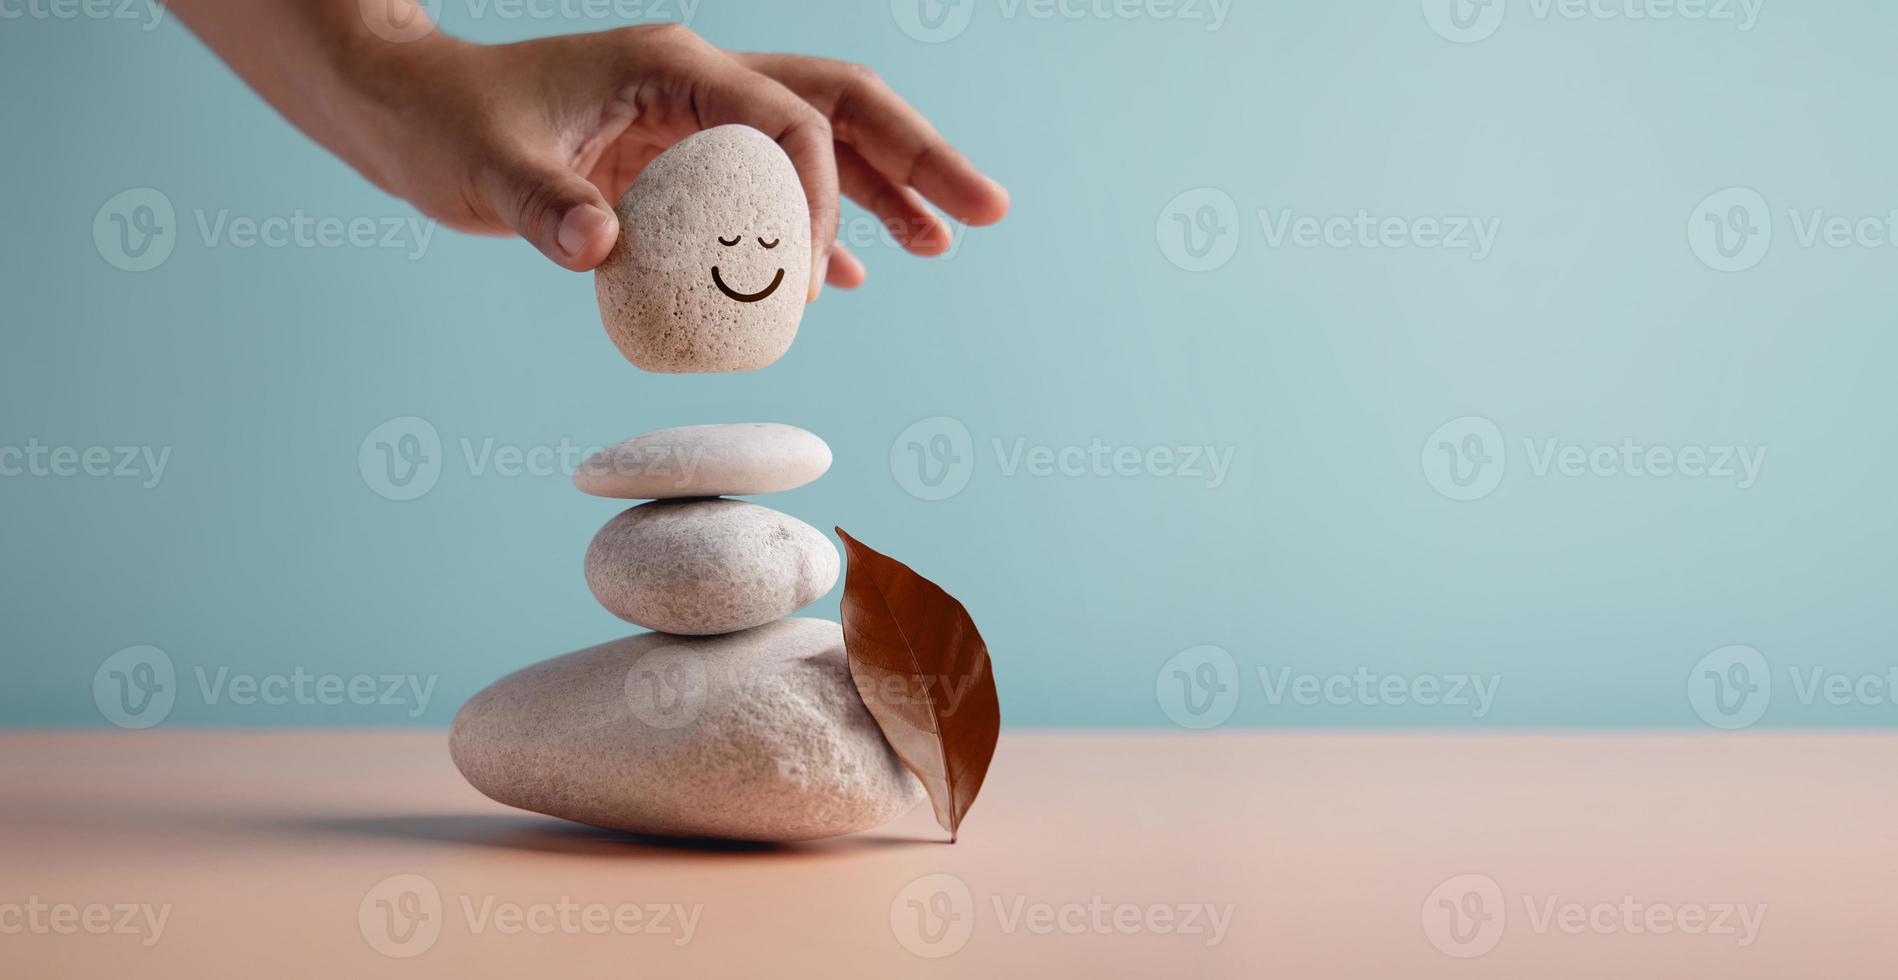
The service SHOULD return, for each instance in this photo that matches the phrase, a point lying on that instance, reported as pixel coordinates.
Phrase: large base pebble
(757, 735)
(699, 567)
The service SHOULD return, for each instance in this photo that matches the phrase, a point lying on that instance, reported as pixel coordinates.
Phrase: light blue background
(1325, 370)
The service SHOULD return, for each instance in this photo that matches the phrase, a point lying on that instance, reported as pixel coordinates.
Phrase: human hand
(539, 138)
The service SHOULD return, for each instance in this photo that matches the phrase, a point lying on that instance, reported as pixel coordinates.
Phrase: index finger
(889, 133)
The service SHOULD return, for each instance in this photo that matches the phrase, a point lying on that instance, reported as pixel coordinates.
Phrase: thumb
(556, 210)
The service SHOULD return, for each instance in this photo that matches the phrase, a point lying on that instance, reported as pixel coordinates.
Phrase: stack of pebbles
(730, 720)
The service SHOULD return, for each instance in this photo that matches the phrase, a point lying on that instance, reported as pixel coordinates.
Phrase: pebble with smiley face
(713, 256)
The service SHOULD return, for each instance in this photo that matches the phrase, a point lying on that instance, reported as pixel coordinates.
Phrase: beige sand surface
(364, 855)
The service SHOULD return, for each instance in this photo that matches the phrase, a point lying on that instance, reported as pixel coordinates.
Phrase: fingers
(890, 134)
(901, 210)
(558, 211)
(619, 164)
(845, 271)
(736, 94)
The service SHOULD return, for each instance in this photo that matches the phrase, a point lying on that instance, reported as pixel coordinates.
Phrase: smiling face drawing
(713, 264)
(723, 287)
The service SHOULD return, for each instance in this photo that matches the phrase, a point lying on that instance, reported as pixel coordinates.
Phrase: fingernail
(580, 227)
(817, 280)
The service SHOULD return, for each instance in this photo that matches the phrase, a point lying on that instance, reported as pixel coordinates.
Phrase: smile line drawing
(719, 281)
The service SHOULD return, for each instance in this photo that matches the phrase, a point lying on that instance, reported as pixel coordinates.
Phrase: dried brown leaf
(924, 672)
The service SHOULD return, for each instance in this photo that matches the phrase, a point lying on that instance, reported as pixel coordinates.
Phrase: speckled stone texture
(706, 461)
(698, 567)
(756, 735)
(724, 199)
